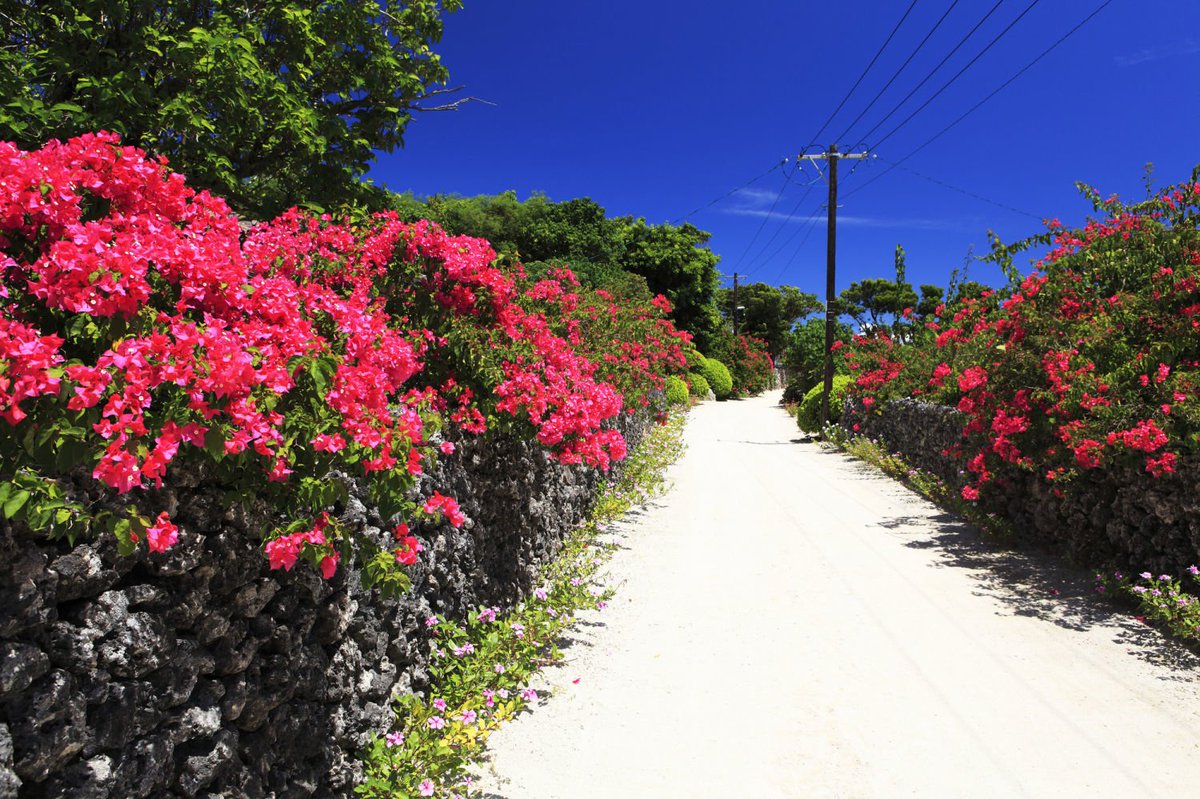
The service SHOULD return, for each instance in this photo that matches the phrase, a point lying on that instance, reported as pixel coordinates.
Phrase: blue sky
(655, 108)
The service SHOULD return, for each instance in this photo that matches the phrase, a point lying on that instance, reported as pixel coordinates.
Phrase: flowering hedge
(140, 326)
(1090, 361)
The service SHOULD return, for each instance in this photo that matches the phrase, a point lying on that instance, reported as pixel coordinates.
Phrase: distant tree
(268, 103)
(675, 263)
(931, 297)
(769, 312)
(805, 357)
(623, 255)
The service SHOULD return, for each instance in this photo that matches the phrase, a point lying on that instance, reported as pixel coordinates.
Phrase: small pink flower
(162, 535)
(395, 739)
(468, 717)
(498, 669)
(447, 447)
(426, 788)
(431, 621)
(436, 723)
(440, 704)
(529, 695)
(541, 592)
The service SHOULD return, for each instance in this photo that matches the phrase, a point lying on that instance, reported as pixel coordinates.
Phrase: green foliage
(809, 414)
(698, 385)
(805, 359)
(676, 264)
(768, 312)
(625, 256)
(878, 302)
(269, 104)
(718, 377)
(676, 390)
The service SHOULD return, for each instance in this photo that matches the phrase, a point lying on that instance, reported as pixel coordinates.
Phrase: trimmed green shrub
(809, 415)
(699, 385)
(676, 390)
(718, 377)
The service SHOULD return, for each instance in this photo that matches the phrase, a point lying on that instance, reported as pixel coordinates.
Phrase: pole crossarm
(832, 155)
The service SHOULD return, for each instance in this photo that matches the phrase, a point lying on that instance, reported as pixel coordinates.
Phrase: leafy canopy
(269, 103)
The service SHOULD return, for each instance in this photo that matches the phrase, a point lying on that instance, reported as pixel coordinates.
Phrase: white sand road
(789, 623)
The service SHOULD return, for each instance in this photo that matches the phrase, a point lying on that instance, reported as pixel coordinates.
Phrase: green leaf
(15, 502)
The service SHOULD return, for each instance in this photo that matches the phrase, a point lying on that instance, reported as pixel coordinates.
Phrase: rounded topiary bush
(809, 415)
(676, 390)
(699, 386)
(718, 377)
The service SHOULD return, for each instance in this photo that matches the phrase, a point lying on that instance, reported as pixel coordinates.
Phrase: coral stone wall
(201, 673)
(1118, 514)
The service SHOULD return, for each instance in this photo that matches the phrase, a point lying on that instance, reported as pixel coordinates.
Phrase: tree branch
(451, 106)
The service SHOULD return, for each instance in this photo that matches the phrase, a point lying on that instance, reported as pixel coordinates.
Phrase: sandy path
(789, 624)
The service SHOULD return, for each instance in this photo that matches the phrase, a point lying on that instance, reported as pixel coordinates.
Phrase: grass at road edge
(481, 668)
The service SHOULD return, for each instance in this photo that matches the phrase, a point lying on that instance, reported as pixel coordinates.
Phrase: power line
(896, 74)
(960, 190)
(811, 225)
(958, 74)
(878, 53)
(807, 189)
(934, 71)
(993, 93)
(761, 225)
(732, 192)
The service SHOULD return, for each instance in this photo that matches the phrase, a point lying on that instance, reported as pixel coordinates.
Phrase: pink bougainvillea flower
(406, 553)
(162, 535)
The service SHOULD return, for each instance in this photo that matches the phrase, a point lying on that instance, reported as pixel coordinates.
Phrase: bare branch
(452, 106)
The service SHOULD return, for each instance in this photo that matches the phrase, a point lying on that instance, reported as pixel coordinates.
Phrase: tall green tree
(268, 103)
(769, 312)
(676, 264)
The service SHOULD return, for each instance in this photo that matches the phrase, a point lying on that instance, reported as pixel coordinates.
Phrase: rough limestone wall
(201, 673)
(1119, 514)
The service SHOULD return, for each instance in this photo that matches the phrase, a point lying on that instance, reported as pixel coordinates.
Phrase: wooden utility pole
(832, 156)
(735, 304)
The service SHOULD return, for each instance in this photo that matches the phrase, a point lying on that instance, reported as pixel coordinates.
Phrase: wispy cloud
(854, 221)
(755, 197)
(1188, 46)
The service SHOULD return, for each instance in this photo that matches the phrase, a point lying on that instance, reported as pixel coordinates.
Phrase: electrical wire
(732, 192)
(752, 265)
(761, 225)
(896, 74)
(993, 93)
(958, 74)
(878, 53)
(961, 190)
(811, 224)
(934, 71)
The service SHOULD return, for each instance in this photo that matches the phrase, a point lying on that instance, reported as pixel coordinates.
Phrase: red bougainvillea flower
(162, 535)
(406, 553)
